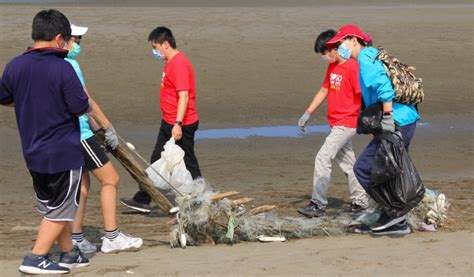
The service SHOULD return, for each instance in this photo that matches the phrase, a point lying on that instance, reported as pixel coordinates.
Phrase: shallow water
(264, 131)
(140, 134)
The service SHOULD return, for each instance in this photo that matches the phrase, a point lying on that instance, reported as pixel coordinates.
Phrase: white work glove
(303, 120)
(387, 123)
(111, 137)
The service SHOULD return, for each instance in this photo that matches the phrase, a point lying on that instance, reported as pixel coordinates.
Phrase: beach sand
(255, 66)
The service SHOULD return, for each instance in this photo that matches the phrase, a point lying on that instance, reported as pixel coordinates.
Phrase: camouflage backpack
(408, 88)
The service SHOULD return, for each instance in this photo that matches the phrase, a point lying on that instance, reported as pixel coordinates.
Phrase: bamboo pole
(126, 157)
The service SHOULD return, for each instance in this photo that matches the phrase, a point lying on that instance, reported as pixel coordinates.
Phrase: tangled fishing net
(206, 216)
(202, 220)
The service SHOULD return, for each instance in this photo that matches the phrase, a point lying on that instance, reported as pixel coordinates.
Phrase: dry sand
(255, 66)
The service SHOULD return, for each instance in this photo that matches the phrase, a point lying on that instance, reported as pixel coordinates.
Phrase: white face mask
(64, 47)
(328, 58)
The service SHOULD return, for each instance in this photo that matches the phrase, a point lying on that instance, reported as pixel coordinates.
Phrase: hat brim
(335, 39)
(78, 31)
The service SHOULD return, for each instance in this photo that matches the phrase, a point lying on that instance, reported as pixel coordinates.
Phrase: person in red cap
(376, 87)
(341, 88)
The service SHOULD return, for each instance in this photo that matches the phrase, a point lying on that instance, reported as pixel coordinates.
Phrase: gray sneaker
(311, 210)
(85, 246)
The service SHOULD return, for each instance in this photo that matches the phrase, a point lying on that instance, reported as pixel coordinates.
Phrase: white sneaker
(85, 246)
(120, 243)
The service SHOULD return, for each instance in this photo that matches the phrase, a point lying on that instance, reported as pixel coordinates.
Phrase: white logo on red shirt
(335, 81)
(163, 79)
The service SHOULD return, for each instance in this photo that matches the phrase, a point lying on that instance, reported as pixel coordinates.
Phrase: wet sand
(255, 67)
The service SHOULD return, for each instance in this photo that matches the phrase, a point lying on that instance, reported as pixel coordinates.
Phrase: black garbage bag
(369, 120)
(401, 193)
(387, 161)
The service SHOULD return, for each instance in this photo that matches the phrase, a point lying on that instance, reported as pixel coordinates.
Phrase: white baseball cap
(78, 31)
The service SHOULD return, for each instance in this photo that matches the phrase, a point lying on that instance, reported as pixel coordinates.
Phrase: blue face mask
(157, 54)
(344, 52)
(75, 51)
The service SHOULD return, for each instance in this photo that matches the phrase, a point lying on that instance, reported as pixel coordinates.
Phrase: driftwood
(261, 209)
(241, 201)
(223, 195)
(126, 157)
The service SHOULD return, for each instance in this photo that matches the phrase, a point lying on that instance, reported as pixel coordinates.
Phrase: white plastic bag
(172, 168)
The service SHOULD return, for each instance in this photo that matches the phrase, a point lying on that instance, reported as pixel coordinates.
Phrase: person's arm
(182, 82)
(177, 131)
(77, 101)
(6, 97)
(318, 99)
(99, 120)
(385, 93)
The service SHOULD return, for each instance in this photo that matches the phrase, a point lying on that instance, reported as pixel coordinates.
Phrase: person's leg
(48, 233)
(336, 139)
(109, 179)
(164, 135)
(187, 144)
(346, 160)
(113, 240)
(39, 261)
(64, 239)
(363, 165)
(408, 131)
(78, 220)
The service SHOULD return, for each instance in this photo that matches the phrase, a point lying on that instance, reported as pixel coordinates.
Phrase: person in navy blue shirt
(48, 97)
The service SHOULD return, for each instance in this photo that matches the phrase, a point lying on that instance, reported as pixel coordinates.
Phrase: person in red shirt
(341, 88)
(180, 119)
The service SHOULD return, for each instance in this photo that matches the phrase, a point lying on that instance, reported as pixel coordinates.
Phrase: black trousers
(186, 143)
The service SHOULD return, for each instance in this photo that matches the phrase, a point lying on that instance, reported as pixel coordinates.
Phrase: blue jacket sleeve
(374, 76)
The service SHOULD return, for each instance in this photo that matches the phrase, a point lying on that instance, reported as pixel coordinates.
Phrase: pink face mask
(328, 58)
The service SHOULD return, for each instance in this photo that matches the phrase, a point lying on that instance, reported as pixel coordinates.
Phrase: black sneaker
(41, 264)
(353, 208)
(385, 221)
(137, 206)
(73, 258)
(312, 210)
(399, 229)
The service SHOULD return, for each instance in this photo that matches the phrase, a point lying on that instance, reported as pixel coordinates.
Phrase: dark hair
(322, 39)
(162, 34)
(360, 41)
(47, 24)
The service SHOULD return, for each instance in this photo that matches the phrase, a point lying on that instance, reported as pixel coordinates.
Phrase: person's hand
(111, 137)
(177, 132)
(387, 123)
(303, 120)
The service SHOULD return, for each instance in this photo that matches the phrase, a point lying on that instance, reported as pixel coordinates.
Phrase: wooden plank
(223, 195)
(127, 158)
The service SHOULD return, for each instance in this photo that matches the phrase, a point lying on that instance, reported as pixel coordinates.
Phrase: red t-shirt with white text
(344, 93)
(178, 75)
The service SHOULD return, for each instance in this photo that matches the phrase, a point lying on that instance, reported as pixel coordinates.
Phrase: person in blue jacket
(376, 87)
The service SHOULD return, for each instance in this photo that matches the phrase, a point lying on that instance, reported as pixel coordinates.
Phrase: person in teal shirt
(86, 131)
(376, 87)
(97, 162)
